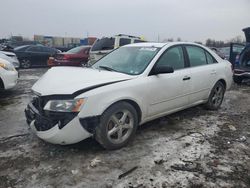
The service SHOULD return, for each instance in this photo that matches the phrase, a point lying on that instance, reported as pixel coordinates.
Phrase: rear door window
(196, 56)
(46, 50)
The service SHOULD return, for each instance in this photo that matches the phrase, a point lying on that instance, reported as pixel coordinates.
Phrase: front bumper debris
(54, 127)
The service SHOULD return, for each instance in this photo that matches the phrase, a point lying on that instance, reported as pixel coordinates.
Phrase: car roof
(160, 45)
(147, 44)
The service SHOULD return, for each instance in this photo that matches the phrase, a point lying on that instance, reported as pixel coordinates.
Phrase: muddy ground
(192, 148)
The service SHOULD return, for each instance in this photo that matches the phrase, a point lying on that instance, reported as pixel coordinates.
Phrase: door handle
(186, 78)
(213, 72)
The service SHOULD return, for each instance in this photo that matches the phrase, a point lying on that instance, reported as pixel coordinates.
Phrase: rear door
(169, 92)
(235, 50)
(202, 72)
(45, 54)
(35, 55)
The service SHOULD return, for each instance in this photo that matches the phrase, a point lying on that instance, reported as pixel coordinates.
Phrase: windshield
(104, 44)
(128, 60)
(75, 50)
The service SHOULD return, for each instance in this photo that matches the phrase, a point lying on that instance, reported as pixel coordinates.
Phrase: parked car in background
(131, 85)
(8, 75)
(34, 55)
(218, 52)
(77, 56)
(105, 45)
(235, 50)
(14, 44)
(6, 48)
(11, 57)
(225, 51)
(242, 61)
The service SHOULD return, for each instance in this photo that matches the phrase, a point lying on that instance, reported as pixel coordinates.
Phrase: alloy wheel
(25, 64)
(217, 95)
(120, 126)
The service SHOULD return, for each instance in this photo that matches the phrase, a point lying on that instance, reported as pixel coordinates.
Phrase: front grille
(39, 103)
(44, 124)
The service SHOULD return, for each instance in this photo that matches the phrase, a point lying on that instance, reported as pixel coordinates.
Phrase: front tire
(117, 126)
(216, 96)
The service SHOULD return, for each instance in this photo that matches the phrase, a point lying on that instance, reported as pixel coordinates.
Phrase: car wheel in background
(216, 96)
(25, 63)
(117, 126)
(84, 64)
(237, 79)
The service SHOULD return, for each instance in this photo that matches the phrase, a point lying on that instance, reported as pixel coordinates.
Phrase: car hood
(247, 34)
(75, 80)
(8, 53)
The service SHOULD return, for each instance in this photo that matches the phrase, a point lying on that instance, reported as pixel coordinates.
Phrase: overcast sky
(192, 20)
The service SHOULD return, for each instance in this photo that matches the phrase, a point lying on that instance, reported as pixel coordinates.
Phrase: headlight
(8, 67)
(64, 105)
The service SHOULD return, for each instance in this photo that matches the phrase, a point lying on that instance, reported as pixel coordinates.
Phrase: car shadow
(166, 123)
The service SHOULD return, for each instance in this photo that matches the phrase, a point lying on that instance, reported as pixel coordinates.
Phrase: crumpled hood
(68, 80)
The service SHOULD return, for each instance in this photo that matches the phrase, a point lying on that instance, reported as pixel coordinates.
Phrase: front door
(169, 92)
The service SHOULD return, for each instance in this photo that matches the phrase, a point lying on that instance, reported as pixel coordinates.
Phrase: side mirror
(161, 69)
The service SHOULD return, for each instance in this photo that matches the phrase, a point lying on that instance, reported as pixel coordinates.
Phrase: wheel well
(223, 82)
(1, 84)
(135, 105)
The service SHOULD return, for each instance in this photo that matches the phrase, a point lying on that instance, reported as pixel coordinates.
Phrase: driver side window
(172, 57)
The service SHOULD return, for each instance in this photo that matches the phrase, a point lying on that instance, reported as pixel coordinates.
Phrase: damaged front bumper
(56, 128)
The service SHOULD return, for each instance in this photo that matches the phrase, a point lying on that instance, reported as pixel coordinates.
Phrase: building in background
(63, 42)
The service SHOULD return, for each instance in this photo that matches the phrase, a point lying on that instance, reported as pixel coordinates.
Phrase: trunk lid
(247, 34)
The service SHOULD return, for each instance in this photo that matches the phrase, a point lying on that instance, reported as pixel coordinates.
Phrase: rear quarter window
(210, 59)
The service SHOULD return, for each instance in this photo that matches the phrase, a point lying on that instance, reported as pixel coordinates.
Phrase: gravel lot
(192, 148)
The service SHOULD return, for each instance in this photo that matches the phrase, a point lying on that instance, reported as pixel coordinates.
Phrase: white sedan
(128, 87)
(8, 75)
(11, 57)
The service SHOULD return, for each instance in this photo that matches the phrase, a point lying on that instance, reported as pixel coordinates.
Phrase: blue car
(242, 60)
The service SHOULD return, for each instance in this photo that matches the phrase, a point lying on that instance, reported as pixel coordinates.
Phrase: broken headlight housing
(74, 105)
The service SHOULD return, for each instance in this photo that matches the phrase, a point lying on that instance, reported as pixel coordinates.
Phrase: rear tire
(216, 96)
(117, 126)
(237, 80)
(25, 64)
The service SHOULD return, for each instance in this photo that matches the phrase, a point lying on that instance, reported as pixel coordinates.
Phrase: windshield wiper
(107, 68)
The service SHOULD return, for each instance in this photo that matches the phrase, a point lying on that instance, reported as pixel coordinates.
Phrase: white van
(105, 45)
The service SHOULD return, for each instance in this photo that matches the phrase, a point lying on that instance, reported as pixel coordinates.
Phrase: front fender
(98, 100)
